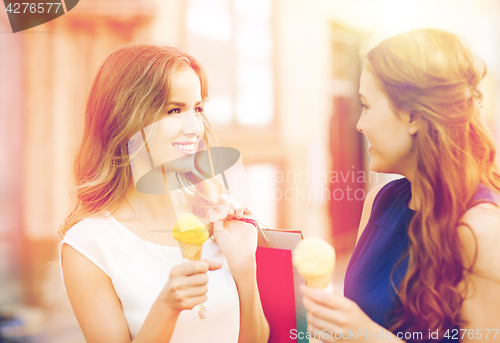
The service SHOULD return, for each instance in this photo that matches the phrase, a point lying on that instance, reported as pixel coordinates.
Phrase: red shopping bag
(278, 283)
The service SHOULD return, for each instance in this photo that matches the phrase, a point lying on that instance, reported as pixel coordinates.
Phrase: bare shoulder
(93, 299)
(480, 232)
(481, 224)
(73, 260)
(483, 216)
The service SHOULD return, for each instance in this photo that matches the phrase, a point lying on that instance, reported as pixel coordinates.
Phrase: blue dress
(383, 242)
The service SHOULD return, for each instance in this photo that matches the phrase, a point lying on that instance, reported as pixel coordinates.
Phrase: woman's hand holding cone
(328, 315)
(187, 285)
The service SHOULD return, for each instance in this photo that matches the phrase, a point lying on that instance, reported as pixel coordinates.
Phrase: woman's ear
(412, 121)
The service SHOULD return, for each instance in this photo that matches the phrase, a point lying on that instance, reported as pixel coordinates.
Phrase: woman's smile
(186, 148)
(369, 146)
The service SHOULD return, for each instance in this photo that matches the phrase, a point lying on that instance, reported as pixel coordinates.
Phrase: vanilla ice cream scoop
(314, 259)
(191, 233)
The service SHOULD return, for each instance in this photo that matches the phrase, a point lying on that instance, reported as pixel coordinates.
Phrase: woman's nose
(359, 124)
(193, 123)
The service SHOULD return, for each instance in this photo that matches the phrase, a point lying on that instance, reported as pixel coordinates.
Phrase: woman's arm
(254, 327)
(481, 305)
(98, 308)
(238, 242)
(253, 324)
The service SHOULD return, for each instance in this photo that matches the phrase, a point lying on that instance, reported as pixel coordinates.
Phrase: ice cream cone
(314, 259)
(190, 232)
(190, 251)
(318, 282)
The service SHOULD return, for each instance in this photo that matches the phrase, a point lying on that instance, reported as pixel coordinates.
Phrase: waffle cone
(318, 282)
(190, 251)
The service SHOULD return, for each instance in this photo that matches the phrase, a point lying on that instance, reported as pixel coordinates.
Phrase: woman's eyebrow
(176, 103)
(361, 96)
(181, 104)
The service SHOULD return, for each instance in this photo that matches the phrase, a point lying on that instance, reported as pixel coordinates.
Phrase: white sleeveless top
(139, 270)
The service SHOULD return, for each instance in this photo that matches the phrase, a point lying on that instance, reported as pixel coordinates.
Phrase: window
(233, 41)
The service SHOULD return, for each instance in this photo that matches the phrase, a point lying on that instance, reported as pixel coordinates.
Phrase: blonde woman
(123, 283)
(426, 265)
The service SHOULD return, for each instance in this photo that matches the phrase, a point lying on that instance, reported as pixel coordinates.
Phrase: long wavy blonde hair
(130, 91)
(434, 75)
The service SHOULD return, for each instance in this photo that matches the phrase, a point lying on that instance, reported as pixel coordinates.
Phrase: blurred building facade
(283, 78)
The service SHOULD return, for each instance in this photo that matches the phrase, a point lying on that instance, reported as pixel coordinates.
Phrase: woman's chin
(381, 169)
(184, 164)
(376, 167)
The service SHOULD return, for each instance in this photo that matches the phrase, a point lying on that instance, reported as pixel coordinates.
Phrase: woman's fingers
(193, 292)
(317, 333)
(318, 310)
(239, 212)
(195, 280)
(188, 283)
(213, 265)
(194, 268)
(218, 216)
(235, 209)
(226, 203)
(189, 268)
(321, 323)
(196, 301)
(229, 204)
(191, 297)
(219, 213)
(218, 227)
(334, 301)
(232, 209)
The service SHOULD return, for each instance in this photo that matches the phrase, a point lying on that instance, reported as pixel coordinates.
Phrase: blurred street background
(283, 85)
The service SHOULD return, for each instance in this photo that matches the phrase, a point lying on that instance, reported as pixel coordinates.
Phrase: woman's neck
(154, 206)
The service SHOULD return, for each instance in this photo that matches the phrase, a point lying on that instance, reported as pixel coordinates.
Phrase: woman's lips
(185, 148)
(369, 146)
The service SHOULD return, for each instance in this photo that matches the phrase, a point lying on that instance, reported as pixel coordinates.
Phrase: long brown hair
(434, 75)
(131, 90)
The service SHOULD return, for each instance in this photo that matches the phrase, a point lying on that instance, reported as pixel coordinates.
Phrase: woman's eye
(363, 106)
(198, 111)
(174, 110)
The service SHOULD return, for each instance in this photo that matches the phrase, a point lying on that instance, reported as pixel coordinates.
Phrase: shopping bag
(278, 283)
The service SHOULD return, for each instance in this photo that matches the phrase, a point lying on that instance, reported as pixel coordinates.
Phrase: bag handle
(252, 220)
